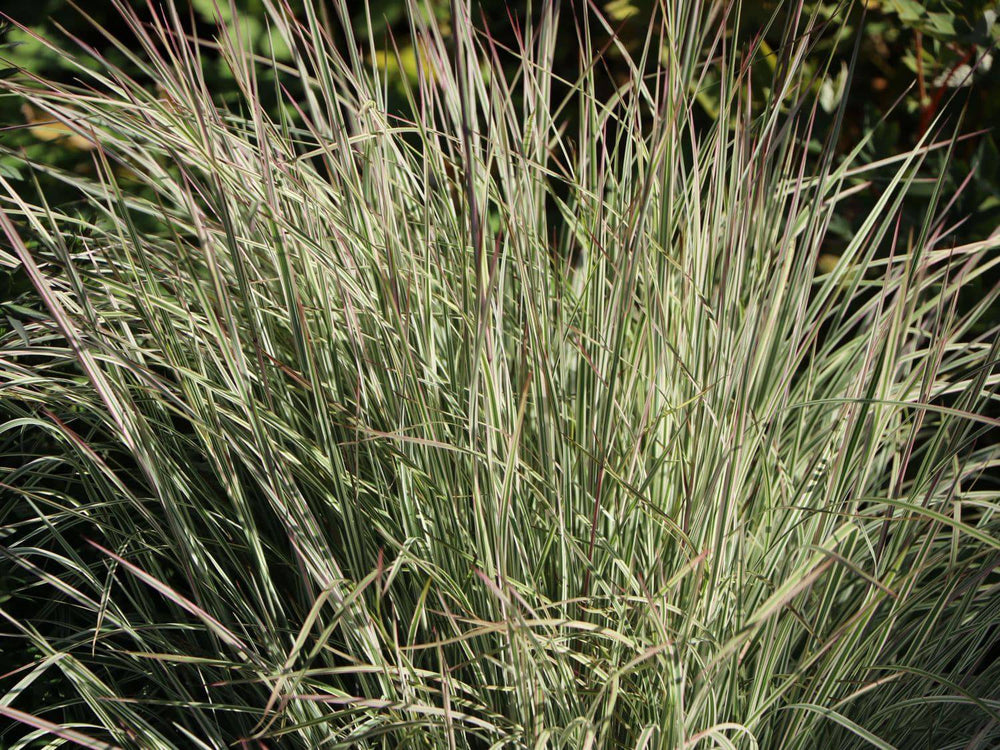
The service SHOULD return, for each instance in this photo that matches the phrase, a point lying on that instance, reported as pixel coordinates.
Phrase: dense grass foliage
(537, 417)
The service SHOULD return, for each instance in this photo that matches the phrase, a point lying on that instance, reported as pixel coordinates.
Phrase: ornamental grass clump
(490, 404)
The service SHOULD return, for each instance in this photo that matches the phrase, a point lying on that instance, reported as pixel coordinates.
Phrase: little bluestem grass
(490, 406)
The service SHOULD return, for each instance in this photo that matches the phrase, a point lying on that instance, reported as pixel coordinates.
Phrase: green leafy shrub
(328, 431)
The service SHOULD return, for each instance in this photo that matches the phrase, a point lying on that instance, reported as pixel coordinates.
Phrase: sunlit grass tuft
(497, 411)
